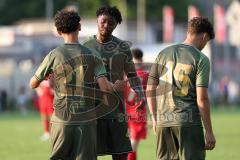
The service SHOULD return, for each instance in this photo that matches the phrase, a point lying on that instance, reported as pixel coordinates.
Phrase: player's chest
(113, 60)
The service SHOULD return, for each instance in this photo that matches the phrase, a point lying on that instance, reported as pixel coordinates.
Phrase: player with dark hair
(137, 122)
(112, 132)
(74, 69)
(177, 96)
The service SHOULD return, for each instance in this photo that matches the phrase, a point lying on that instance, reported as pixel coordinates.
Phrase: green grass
(19, 138)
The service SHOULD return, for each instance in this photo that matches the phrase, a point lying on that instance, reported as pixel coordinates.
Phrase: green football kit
(178, 71)
(112, 130)
(75, 69)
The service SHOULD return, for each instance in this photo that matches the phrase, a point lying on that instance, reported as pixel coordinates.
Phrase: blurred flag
(192, 12)
(219, 24)
(233, 22)
(168, 24)
(7, 37)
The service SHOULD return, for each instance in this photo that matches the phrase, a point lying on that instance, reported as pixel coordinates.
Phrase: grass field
(19, 138)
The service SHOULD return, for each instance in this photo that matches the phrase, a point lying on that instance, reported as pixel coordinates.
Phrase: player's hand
(119, 85)
(154, 125)
(210, 141)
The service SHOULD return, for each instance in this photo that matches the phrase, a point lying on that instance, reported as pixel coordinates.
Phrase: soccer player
(45, 96)
(177, 106)
(112, 132)
(74, 68)
(136, 120)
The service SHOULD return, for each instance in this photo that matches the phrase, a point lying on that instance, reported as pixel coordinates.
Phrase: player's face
(106, 25)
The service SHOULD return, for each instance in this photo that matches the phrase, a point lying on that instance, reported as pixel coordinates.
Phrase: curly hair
(201, 25)
(67, 21)
(111, 11)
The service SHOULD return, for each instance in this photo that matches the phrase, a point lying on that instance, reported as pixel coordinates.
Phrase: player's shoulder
(89, 40)
(203, 56)
(204, 59)
(165, 52)
(54, 52)
(123, 44)
(117, 40)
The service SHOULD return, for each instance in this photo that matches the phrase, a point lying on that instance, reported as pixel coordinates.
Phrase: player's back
(75, 68)
(179, 68)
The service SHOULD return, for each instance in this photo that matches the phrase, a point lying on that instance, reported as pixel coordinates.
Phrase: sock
(46, 126)
(132, 156)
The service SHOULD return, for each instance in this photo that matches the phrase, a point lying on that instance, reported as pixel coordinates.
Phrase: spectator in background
(233, 92)
(45, 94)
(136, 120)
(3, 98)
(224, 90)
(21, 101)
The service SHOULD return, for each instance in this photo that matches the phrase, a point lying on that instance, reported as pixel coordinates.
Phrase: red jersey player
(136, 120)
(45, 95)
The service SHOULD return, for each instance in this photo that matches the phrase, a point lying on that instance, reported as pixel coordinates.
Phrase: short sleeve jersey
(117, 59)
(75, 69)
(179, 69)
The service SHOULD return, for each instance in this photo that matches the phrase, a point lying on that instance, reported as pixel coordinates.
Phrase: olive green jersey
(74, 69)
(179, 69)
(117, 59)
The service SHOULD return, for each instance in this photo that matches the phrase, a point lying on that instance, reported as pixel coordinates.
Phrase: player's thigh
(84, 145)
(167, 144)
(120, 140)
(137, 131)
(191, 143)
(61, 139)
(102, 136)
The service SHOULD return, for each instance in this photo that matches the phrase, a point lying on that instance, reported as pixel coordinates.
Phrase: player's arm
(43, 72)
(153, 81)
(104, 84)
(136, 85)
(134, 80)
(204, 108)
(151, 100)
(202, 80)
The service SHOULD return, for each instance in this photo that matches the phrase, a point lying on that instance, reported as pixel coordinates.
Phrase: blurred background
(27, 34)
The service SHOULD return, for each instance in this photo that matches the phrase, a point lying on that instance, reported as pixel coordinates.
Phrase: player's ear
(79, 27)
(205, 36)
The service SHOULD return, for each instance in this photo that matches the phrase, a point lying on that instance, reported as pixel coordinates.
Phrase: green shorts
(73, 142)
(112, 137)
(180, 143)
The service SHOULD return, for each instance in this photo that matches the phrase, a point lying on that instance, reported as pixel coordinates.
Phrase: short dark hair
(67, 21)
(111, 11)
(201, 25)
(137, 53)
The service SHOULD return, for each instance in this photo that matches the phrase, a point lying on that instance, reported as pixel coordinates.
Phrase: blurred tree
(14, 10)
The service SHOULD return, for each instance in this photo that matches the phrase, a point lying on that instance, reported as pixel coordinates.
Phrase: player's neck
(192, 40)
(137, 61)
(103, 39)
(70, 38)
